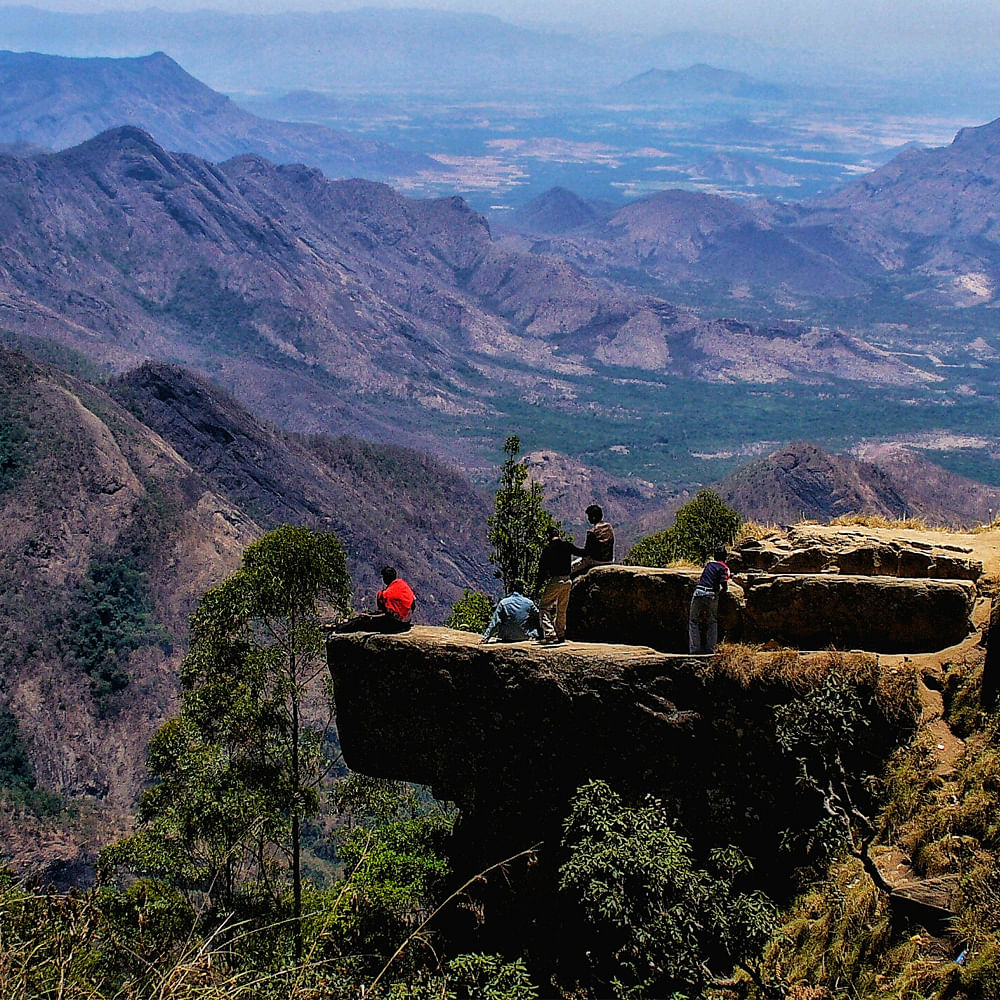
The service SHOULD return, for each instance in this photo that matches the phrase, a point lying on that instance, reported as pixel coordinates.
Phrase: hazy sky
(822, 24)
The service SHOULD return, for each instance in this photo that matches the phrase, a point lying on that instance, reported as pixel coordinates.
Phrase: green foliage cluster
(17, 776)
(516, 529)
(237, 772)
(658, 920)
(699, 527)
(111, 617)
(13, 452)
(471, 612)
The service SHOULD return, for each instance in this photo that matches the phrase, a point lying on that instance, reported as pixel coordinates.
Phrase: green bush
(471, 612)
(657, 919)
(699, 527)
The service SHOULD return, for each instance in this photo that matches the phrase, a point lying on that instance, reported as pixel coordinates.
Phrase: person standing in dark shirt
(553, 585)
(714, 581)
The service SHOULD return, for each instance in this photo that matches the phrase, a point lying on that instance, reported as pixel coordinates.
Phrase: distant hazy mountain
(804, 481)
(555, 211)
(698, 82)
(925, 228)
(365, 50)
(936, 213)
(57, 102)
(688, 238)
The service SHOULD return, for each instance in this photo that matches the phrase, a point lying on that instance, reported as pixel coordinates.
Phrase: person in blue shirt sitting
(515, 619)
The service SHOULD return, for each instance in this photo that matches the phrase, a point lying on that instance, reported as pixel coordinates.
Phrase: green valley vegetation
(699, 527)
(110, 617)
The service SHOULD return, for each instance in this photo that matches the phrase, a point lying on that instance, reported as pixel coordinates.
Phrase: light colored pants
(552, 603)
(582, 563)
(704, 611)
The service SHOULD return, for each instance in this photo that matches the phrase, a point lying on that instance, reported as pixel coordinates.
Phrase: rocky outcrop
(636, 605)
(815, 549)
(509, 732)
(856, 612)
(646, 607)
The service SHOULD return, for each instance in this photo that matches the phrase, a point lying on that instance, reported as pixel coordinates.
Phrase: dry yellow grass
(895, 687)
(753, 529)
(878, 521)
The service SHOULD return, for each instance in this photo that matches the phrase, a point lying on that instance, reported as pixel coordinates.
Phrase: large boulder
(510, 731)
(854, 552)
(640, 606)
(858, 612)
(646, 607)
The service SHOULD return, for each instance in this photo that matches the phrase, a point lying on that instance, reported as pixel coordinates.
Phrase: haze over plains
(948, 29)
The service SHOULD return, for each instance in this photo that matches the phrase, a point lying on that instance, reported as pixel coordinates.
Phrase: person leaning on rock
(515, 618)
(599, 548)
(554, 584)
(395, 603)
(714, 580)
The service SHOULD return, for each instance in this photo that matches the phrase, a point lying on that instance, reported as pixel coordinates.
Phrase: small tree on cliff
(517, 527)
(239, 770)
(699, 527)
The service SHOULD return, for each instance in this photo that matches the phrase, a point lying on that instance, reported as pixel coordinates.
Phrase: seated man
(395, 608)
(599, 548)
(515, 618)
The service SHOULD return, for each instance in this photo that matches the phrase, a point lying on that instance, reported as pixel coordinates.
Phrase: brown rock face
(639, 606)
(635, 605)
(509, 731)
(881, 615)
(818, 550)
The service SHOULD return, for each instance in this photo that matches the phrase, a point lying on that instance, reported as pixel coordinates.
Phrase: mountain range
(55, 102)
(381, 51)
(120, 504)
(922, 230)
(343, 306)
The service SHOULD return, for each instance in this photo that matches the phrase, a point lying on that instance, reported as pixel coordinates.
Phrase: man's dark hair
(594, 513)
(388, 574)
(519, 586)
(552, 531)
(719, 555)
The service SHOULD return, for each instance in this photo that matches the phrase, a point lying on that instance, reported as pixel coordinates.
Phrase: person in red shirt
(395, 604)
